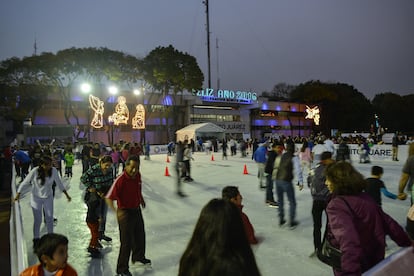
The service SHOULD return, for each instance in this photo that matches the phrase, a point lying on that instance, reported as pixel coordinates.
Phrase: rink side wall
(378, 152)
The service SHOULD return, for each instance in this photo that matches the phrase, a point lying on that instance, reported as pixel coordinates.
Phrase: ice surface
(170, 220)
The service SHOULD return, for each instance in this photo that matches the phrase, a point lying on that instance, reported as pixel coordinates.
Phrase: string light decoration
(313, 113)
(121, 114)
(138, 121)
(98, 106)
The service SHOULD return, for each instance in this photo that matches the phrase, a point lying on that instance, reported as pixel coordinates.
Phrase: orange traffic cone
(166, 171)
(245, 170)
(168, 159)
(212, 157)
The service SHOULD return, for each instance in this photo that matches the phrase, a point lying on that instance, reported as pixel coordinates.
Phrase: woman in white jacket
(42, 178)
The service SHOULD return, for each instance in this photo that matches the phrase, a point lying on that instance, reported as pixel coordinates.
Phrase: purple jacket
(361, 239)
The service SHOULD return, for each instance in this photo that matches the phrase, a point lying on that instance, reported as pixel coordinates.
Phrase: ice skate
(143, 262)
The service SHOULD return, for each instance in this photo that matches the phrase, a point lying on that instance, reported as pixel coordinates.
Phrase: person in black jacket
(271, 156)
(320, 196)
(343, 152)
(286, 167)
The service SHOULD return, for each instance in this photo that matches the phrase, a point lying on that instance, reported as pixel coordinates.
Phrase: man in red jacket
(232, 194)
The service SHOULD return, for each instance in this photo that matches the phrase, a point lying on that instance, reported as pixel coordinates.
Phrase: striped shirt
(94, 178)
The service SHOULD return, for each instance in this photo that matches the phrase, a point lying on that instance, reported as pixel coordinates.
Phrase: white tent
(200, 130)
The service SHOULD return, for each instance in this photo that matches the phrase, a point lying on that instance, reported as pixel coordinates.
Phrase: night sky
(365, 43)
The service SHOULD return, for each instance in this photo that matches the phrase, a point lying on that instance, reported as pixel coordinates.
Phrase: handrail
(18, 256)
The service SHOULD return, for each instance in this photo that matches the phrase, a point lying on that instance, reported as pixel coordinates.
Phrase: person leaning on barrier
(41, 179)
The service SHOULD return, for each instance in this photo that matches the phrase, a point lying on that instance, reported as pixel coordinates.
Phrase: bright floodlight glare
(86, 87)
(137, 92)
(113, 90)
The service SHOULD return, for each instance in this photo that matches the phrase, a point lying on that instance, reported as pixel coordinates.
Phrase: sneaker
(125, 273)
(102, 236)
(143, 261)
(272, 204)
(293, 224)
(282, 222)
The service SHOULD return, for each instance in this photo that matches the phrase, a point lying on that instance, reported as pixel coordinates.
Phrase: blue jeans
(286, 187)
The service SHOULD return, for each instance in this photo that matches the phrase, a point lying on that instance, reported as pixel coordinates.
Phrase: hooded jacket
(359, 232)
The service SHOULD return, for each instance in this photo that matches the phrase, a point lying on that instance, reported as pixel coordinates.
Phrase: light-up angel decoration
(313, 113)
(121, 114)
(138, 121)
(98, 106)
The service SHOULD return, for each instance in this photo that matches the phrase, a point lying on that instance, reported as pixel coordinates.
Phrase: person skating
(41, 180)
(375, 186)
(98, 179)
(260, 157)
(284, 169)
(320, 196)
(127, 192)
(232, 194)
(179, 167)
(187, 157)
(276, 149)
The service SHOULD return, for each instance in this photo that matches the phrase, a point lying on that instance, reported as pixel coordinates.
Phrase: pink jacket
(360, 232)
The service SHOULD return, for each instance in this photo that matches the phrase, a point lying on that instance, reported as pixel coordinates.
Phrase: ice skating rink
(169, 219)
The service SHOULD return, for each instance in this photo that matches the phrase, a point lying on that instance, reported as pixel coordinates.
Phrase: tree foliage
(30, 79)
(342, 106)
(166, 68)
(394, 111)
(169, 70)
(280, 91)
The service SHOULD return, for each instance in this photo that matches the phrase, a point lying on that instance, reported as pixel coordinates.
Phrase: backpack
(316, 181)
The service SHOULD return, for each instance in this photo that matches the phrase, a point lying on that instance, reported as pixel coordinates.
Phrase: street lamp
(113, 90)
(86, 89)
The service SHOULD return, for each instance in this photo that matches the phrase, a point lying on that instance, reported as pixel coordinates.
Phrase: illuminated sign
(98, 106)
(121, 114)
(138, 122)
(313, 113)
(210, 94)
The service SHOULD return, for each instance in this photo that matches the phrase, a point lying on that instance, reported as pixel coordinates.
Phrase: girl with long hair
(42, 179)
(219, 244)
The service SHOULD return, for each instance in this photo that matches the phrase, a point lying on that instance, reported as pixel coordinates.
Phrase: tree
(342, 106)
(391, 110)
(169, 70)
(280, 91)
(49, 73)
(23, 92)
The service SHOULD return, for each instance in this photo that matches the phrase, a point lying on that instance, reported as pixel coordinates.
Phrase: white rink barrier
(377, 152)
(18, 256)
(399, 263)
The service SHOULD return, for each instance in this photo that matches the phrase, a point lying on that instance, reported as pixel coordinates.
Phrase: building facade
(101, 118)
